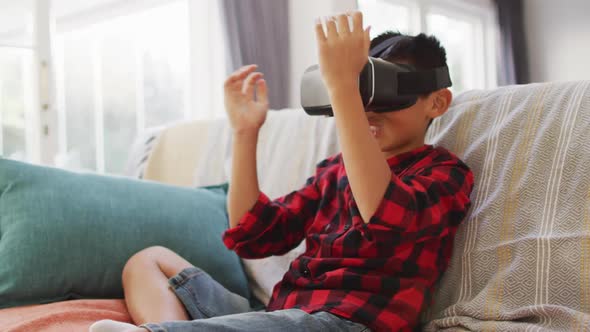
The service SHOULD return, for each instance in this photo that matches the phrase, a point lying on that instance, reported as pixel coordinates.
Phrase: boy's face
(403, 130)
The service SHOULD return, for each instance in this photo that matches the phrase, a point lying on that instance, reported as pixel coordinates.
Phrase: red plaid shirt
(379, 274)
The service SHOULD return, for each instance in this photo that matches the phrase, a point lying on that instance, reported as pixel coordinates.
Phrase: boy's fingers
(240, 74)
(262, 91)
(319, 31)
(248, 87)
(343, 26)
(331, 27)
(357, 21)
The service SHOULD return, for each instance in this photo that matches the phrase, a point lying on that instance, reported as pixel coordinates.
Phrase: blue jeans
(214, 308)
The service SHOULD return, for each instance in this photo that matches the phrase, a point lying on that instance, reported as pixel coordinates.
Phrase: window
(15, 91)
(16, 79)
(466, 29)
(79, 79)
(120, 76)
(16, 23)
(125, 66)
(384, 15)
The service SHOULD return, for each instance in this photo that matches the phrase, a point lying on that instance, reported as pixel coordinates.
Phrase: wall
(303, 44)
(558, 39)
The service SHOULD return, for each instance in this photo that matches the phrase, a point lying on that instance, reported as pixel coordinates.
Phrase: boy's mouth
(374, 125)
(374, 130)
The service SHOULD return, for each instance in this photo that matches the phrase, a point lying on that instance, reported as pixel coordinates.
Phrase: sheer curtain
(126, 66)
(17, 79)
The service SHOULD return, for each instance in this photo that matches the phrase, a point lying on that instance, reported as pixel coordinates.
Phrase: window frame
(195, 86)
(31, 66)
(46, 118)
(81, 20)
(473, 11)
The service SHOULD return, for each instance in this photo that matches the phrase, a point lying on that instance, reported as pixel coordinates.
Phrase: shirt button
(346, 227)
(306, 272)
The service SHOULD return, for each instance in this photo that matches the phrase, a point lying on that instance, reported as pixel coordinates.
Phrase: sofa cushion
(67, 236)
(522, 256)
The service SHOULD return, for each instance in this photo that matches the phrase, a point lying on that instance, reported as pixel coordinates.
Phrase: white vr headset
(384, 86)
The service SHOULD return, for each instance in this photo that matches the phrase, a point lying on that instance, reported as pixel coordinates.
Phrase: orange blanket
(66, 316)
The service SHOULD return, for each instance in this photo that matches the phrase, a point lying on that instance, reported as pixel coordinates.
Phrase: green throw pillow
(67, 236)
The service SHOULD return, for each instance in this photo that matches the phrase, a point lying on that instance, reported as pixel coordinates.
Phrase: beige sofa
(521, 258)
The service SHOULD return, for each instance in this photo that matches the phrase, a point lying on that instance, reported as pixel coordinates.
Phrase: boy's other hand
(246, 113)
(343, 50)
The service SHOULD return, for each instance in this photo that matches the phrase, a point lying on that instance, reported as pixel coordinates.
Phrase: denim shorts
(211, 307)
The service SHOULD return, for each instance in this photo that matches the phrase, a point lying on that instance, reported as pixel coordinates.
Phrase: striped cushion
(522, 257)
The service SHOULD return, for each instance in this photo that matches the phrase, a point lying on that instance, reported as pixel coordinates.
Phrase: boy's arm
(246, 115)
(244, 188)
(343, 52)
(259, 227)
(277, 226)
(366, 166)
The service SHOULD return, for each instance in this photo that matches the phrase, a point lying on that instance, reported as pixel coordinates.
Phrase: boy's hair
(422, 51)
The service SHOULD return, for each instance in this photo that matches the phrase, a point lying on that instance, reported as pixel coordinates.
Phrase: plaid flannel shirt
(381, 273)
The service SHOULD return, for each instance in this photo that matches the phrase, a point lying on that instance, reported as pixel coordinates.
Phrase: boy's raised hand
(245, 112)
(343, 50)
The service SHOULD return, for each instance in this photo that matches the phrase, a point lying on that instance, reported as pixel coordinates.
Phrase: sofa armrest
(169, 161)
(177, 154)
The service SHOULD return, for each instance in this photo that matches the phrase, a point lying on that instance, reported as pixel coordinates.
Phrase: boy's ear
(440, 102)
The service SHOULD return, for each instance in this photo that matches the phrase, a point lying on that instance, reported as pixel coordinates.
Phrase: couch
(521, 258)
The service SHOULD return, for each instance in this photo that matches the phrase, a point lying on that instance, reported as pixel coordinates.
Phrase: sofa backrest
(522, 257)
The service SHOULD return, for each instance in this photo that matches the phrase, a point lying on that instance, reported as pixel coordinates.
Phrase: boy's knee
(144, 260)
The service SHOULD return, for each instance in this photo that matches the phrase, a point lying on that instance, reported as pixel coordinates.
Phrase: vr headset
(384, 86)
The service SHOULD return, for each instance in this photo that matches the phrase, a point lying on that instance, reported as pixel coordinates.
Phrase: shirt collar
(405, 159)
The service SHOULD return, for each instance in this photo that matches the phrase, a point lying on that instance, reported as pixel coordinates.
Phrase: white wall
(558, 39)
(303, 44)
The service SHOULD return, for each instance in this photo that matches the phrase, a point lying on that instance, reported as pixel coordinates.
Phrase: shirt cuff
(250, 225)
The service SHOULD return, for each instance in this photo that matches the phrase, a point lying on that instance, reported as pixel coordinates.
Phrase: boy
(378, 219)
